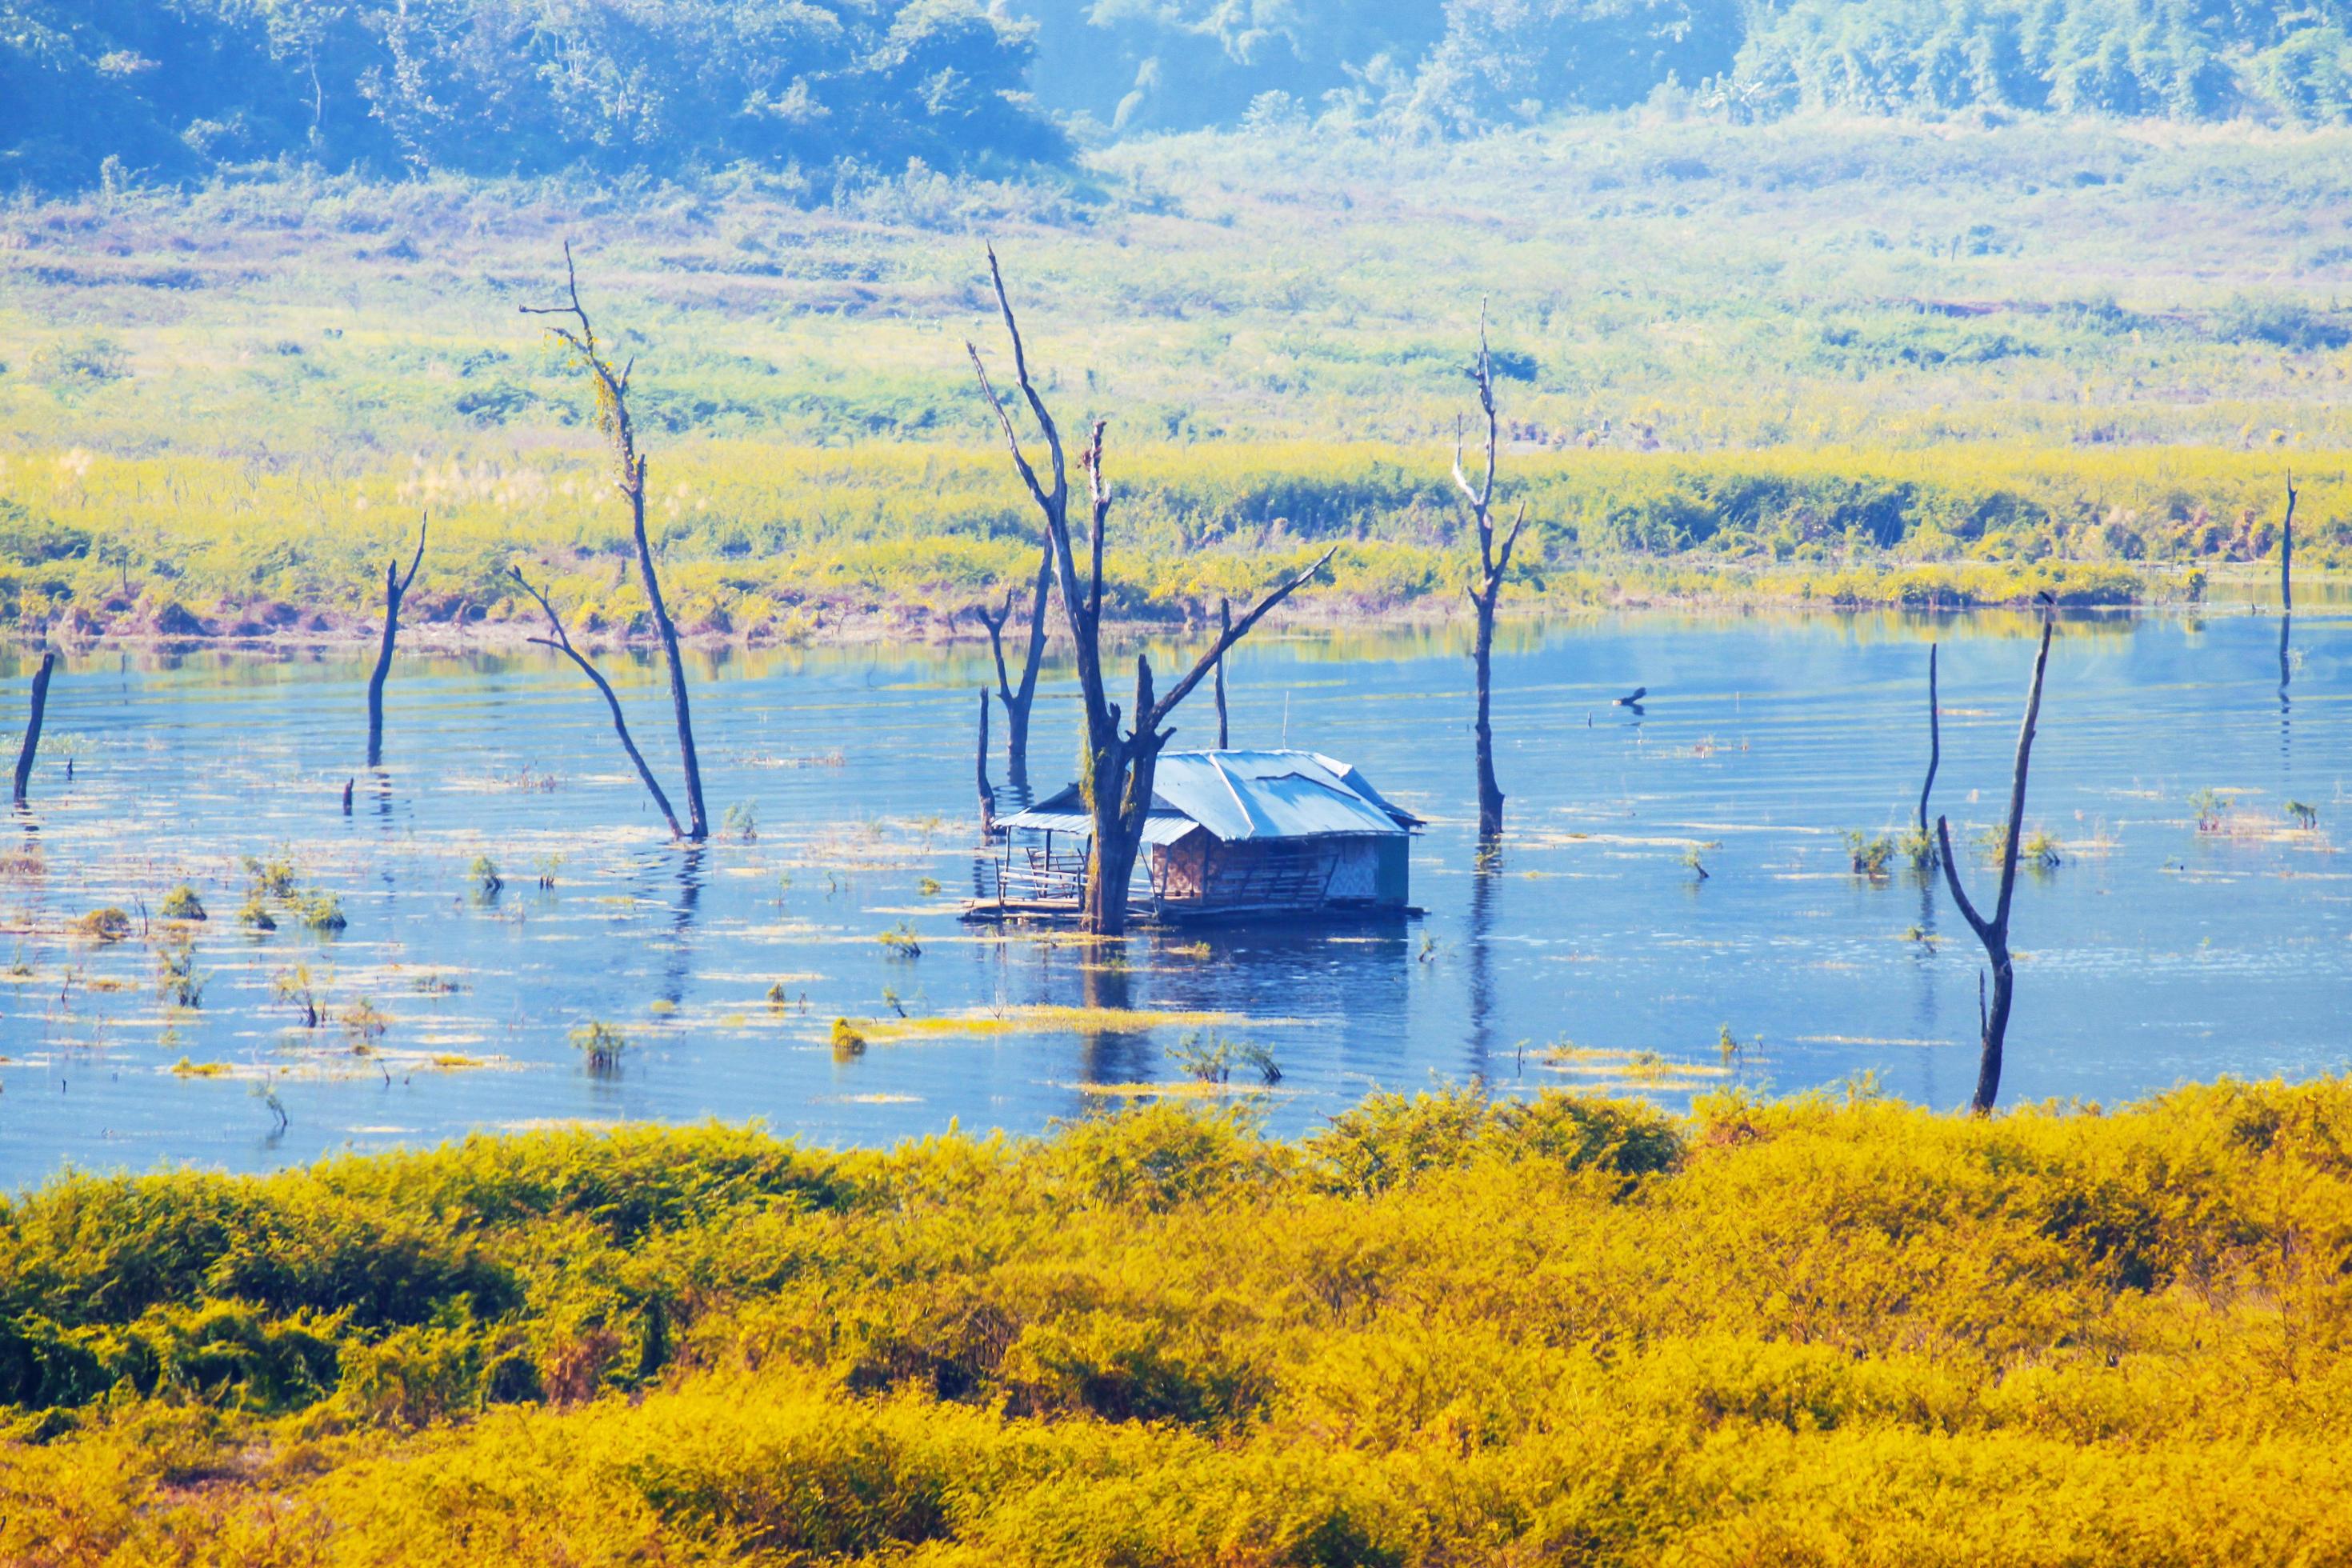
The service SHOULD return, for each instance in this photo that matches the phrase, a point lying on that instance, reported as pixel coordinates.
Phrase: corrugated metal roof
(1241, 795)
(1159, 827)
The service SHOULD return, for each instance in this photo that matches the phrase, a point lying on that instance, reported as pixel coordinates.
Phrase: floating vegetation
(2302, 813)
(321, 911)
(183, 1067)
(273, 876)
(1870, 854)
(364, 1025)
(293, 985)
(602, 1044)
(901, 941)
(1915, 846)
(1046, 1020)
(108, 924)
(183, 904)
(2039, 852)
(1729, 1047)
(846, 1041)
(928, 887)
(740, 824)
(176, 977)
(546, 866)
(1208, 1056)
(483, 874)
(2209, 804)
(1638, 1070)
(1188, 949)
(1695, 864)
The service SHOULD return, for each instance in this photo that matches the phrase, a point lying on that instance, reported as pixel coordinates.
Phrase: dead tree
(1115, 770)
(562, 644)
(395, 589)
(629, 478)
(1993, 1021)
(1019, 700)
(2287, 553)
(1225, 624)
(987, 791)
(1494, 563)
(26, 752)
(1934, 741)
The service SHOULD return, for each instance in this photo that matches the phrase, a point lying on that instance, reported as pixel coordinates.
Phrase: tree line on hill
(175, 88)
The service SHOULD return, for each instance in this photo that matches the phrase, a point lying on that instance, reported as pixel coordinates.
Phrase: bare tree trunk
(629, 478)
(395, 589)
(40, 708)
(987, 793)
(2287, 553)
(1494, 563)
(1019, 699)
(1994, 933)
(562, 644)
(1115, 770)
(1934, 740)
(1224, 730)
(1490, 792)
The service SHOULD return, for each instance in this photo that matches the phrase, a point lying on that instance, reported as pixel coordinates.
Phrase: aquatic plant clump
(109, 925)
(182, 903)
(600, 1044)
(2046, 1337)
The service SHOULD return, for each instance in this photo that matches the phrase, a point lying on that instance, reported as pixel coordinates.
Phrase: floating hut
(1230, 834)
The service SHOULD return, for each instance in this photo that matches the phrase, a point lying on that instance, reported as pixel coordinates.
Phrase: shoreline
(835, 625)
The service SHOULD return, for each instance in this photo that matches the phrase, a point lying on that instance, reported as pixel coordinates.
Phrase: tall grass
(1832, 1329)
(1787, 358)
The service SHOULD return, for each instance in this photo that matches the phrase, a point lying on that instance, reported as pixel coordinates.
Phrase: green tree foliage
(2132, 58)
(178, 87)
(1467, 65)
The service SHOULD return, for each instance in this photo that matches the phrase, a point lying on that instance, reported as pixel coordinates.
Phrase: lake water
(2156, 953)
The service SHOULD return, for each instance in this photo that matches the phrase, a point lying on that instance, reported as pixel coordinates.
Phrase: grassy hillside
(2094, 343)
(1443, 1331)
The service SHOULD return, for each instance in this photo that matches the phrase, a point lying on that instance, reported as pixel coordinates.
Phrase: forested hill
(512, 86)
(829, 88)
(1418, 68)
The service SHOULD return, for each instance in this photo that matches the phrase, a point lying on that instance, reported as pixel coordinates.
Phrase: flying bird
(1633, 697)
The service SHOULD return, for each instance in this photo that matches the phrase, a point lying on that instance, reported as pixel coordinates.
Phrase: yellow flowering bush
(1446, 1330)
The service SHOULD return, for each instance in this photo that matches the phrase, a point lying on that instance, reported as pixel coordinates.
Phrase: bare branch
(1510, 542)
(995, 624)
(1028, 390)
(1098, 493)
(561, 643)
(1004, 421)
(422, 523)
(2017, 779)
(1226, 638)
(1977, 922)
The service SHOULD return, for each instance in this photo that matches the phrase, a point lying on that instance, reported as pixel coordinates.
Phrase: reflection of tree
(1110, 1054)
(2286, 624)
(689, 902)
(1484, 875)
(1923, 952)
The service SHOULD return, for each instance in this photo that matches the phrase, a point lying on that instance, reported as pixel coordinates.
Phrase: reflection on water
(2156, 953)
